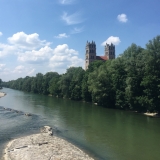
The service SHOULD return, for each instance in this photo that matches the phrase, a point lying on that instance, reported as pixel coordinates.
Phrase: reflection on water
(105, 133)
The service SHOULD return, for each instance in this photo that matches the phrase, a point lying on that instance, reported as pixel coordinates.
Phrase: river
(105, 134)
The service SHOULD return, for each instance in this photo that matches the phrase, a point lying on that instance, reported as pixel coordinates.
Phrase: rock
(2, 94)
(27, 114)
(43, 147)
(47, 129)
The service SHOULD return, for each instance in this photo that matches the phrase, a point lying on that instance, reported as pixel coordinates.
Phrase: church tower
(110, 51)
(90, 55)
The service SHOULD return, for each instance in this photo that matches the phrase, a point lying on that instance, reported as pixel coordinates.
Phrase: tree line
(131, 81)
(0, 83)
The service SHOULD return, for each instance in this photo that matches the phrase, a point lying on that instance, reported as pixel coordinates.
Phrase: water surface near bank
(105, 133)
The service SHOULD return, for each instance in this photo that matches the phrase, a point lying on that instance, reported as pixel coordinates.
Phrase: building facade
(91, 55)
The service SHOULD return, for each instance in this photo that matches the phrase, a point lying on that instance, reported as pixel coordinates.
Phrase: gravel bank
(43, 146)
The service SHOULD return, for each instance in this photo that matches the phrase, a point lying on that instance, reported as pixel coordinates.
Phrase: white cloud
(25, 58)
(62, 35)
(2, 66)
(6, 49)
(5, 72)
(18, 69)
(1, 33)
(31, 72)
(16, 72)
(122, 18)
(112, 39)
(66, 1)
(36, 56)
(77, 30)
(24, 41)
(21, 42)
(64, 57)
(74, 18)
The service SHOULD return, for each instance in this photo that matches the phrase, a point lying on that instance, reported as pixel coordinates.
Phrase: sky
(39, 36)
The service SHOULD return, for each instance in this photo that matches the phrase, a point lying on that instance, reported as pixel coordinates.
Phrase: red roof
(103, 58)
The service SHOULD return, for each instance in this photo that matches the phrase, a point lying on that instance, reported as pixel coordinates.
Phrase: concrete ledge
(151, 114)
(43, 146)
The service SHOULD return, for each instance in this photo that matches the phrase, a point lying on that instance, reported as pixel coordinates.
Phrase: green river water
(103, 133)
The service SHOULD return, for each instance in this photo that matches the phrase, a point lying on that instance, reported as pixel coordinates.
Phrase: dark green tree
(46, 81)
(151, 79)
(118, 75)
(54, 86)
(0, 83)
(101, 87)
(86, 94)
(133, 58)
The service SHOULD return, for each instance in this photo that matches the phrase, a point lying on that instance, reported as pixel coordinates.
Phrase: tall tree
(46, 81)
(100, 86)
(86, 94)
(118, 74)
(0, 83)
(133, 58)
(151, 79)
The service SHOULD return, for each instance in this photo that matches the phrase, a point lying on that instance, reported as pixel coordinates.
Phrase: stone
(27, 114)
(47, 129)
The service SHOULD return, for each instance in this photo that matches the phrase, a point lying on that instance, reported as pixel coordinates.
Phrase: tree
(118, 76)
(37, 84)
(46, 81)
(54, 86)
(0, 83)
(151, 79)
(133, 58)
(100, 86)
(86, 95)
(70, 83)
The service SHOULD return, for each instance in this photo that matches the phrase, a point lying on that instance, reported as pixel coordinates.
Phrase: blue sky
(50, 35)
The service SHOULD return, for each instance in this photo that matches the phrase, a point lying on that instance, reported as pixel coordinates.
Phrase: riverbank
(2, 94)
(43, 146)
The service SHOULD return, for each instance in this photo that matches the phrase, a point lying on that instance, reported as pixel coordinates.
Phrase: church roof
(103, 58)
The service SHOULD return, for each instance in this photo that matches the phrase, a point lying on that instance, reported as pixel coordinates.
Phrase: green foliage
(46, 81)
(54, 88)
(151, 78)
(131, 81)
(70, 83)
(118, 77)
(0, 83)
(100, 86)
(86, 94)
(134, 67)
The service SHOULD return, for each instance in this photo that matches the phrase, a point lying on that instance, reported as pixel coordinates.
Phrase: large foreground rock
(43, 146)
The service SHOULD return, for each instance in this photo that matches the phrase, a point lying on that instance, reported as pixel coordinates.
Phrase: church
(91, 55)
